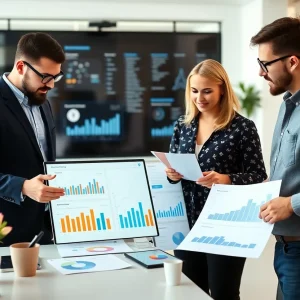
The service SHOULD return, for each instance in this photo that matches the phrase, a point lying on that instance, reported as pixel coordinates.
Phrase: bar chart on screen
(175, 211)
(169, 205)
(85, 222)
(137, 217)
(93, 187)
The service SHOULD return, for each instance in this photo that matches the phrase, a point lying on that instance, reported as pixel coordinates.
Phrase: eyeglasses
(268, 63)
(45, 78)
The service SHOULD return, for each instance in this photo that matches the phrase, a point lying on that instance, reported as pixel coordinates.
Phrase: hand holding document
(185, 164)
(229, 223)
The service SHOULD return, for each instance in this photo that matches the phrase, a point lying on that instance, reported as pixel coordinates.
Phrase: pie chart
(100, 249)
(177, 238)
(78, 265)
(159, 256)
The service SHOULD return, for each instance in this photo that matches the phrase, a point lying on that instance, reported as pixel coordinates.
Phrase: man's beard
(281, 84)
(34, 98)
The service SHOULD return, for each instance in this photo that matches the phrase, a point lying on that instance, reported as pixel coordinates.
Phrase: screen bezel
(99, 161)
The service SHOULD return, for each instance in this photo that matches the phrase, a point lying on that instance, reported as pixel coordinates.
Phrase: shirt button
(281, 134)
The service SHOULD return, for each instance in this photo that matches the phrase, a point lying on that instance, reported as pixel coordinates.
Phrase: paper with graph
(229, 223)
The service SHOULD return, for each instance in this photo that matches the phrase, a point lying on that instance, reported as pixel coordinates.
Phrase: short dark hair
(34, 46)
(283, 34)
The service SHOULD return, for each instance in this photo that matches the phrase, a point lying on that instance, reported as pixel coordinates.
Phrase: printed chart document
(93, 248)
(169, 208)
(185, 164)
(77, 265)
(229, 223)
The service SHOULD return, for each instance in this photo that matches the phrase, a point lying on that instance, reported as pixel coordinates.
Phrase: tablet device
(150, 259)
(7, 266)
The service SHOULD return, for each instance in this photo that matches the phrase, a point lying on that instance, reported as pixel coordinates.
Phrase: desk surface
(134, 283)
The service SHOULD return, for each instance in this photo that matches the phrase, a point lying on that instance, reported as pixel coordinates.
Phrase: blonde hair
(229, 103)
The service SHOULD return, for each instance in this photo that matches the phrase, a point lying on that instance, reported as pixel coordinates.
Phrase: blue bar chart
(248, 213)
(176, 211)
(220, 240)
(111, 127)
(161, 132)
(135, 218)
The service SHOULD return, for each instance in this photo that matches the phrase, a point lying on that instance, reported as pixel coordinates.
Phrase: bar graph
(85, 222)
(92, 188)
(248, 213)
(162, 132)
(111, 127)
(220, 240)
(137, 218)
(176, 211)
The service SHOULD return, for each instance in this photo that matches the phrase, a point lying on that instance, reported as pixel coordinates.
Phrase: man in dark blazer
(27, 136)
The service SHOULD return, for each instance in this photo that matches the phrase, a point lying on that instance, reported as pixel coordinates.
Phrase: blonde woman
(229, 152)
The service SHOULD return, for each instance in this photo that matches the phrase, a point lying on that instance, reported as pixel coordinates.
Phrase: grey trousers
(279, 295)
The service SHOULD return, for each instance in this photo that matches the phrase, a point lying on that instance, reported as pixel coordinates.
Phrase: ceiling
(199, 2)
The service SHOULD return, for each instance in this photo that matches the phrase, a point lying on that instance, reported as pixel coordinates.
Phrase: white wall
(254, 16)
(249, 65)
(272, 9)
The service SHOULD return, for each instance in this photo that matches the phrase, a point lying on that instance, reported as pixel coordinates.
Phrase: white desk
(129, 284)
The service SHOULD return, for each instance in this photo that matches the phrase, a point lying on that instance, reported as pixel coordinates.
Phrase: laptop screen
(103, 200)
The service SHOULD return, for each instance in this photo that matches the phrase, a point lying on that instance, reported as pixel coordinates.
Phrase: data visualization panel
(103, 200)
(121, 92)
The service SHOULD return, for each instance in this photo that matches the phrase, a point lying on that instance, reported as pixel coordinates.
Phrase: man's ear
(20, 66)
(294, 62)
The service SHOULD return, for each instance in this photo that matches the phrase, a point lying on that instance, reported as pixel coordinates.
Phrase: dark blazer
(21, 159)
(235, 151)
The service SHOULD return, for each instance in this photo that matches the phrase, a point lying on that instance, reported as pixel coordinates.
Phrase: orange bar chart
(85, 222)
(150, 218)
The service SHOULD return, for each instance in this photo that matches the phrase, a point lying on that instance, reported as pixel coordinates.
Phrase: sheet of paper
(185, 164)
(169, 208)
(84, 264)
(229, 223)
(93, 248)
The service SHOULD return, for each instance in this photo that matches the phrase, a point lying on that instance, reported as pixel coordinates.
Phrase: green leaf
(249, 98)
(3, 225)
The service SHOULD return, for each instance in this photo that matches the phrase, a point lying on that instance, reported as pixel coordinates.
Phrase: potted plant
(249, 98)
(4, 230)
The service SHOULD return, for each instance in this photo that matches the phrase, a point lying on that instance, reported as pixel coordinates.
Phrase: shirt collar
(294, 98)
(18, 93)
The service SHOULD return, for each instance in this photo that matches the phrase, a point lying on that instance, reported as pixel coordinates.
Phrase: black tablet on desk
(7, 266)
(150, 259)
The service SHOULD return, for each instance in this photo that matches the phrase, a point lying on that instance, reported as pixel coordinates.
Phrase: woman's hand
(173, 175)
(212, 177)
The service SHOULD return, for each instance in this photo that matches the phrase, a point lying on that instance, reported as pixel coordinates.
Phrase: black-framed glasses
(264, 65)
(45, 77)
